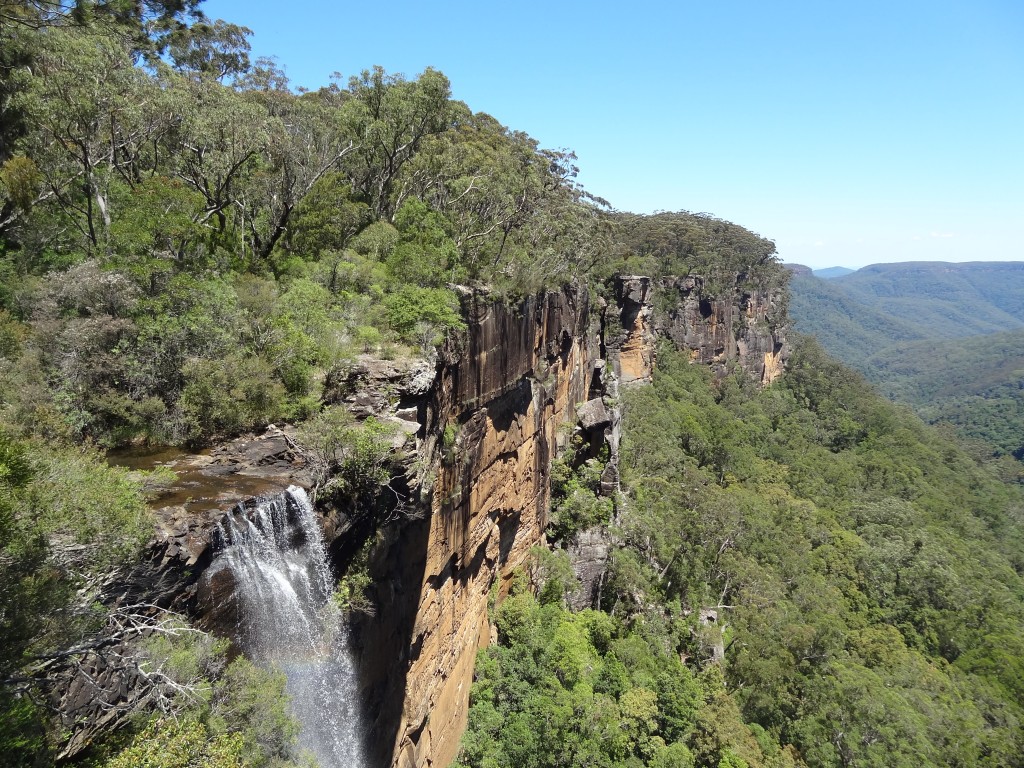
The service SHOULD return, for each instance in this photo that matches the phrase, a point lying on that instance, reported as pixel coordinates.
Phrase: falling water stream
(283, 584)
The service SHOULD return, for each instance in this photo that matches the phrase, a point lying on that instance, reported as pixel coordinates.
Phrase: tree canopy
(804, 575)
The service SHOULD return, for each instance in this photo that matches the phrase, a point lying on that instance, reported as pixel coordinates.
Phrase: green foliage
(250, 705)
(23, 731)
(180, 744)
(244, 722)
(843, 541)
(859, 572)
(328, 218)
(355, 456)
(911, 329)
(577, 689)
(576, 503)
(552, 575)
(223, 714)
(64, 519)
(425, 255)
(225, 397)
(419, 314)
(378, 241)
(696, 244)
(157, 219)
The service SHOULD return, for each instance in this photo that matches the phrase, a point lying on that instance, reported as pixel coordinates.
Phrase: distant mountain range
(947, 339)
(829, 272)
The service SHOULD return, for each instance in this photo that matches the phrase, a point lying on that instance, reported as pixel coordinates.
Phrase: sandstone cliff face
(495, 418)
(631, 334)
(492, 424)
(742, 326)
(718, 330)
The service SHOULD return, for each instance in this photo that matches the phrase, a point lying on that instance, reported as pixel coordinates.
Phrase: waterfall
(283, 584)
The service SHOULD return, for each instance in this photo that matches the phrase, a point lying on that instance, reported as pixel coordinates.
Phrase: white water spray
(283, 585)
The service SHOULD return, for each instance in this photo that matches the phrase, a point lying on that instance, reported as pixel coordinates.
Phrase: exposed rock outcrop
(740, 327)
(493, 422)
(743, 325)
(589, 552)
(631, 336)
(187, 511)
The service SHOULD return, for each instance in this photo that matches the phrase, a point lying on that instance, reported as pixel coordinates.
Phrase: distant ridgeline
(947, 339)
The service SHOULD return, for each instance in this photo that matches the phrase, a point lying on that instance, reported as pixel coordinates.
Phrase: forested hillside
(804, 575)
(191, 249)
(938, 337)
(949, 300)
(848, 328)
(976, 384)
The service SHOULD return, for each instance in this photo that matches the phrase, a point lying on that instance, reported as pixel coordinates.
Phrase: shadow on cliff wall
(384, 642)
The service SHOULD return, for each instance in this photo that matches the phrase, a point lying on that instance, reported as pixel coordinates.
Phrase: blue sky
(849, 133)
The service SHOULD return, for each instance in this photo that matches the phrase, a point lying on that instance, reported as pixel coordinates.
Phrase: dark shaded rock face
(742, 327)
(589, 552)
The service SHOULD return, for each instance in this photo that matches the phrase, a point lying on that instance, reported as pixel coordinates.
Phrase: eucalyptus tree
(306, 141)
(216, 144)
(86, 101)
(389, 119)
(216, 49)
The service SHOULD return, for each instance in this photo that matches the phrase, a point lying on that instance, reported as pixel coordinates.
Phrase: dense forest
(190, 249)
(942, 338)
(974, 384)
(806, 575)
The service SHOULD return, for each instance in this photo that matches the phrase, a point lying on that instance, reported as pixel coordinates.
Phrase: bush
(356, 457)
(411, 305)
(227, 396)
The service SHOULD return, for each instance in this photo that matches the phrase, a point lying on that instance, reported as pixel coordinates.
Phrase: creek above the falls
(282, 583)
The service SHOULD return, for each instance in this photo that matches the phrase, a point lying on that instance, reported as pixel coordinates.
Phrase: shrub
(227, 396)
(411, 305)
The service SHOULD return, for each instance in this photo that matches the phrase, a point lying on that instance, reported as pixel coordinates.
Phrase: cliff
(502, 406)
(491, 425)
(502, 401)
(745, 327)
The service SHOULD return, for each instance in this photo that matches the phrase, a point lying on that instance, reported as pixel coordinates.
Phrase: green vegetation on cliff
(803, 575)
(189, 250)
